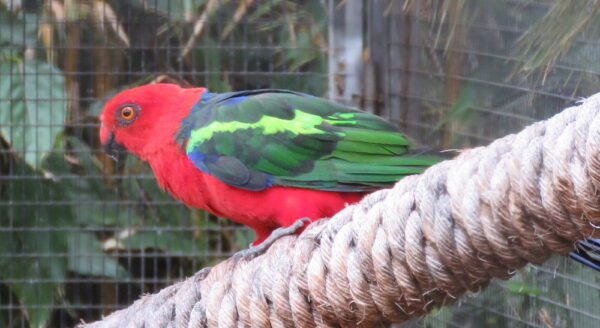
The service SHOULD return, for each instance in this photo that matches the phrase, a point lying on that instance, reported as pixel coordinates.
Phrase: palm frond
(551, 37)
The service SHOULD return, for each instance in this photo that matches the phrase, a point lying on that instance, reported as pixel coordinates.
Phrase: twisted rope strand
(401, 252)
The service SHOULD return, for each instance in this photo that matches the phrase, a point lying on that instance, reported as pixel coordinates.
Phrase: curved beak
(114, 149)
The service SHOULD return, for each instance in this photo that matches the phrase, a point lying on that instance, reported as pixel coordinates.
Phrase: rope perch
(403, 251)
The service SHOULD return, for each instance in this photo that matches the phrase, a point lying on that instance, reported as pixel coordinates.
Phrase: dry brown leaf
(237, 16)
(199, 26)
(13, 5)
(57, 10)
(103, 15)
(46, 35)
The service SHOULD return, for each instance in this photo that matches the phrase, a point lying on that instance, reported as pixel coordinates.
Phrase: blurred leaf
(552, 36)
(461, 110)
(212, 56)
(30, 251)
(129, 208)
(172, 9)
(4, 318)
(520, 287)
(301, 53)
(32, 94)
(152, 203)
(17, 28)
(317, 12)
(181, 242)
(263, 8)
(240, 12)
(90, 191)
(103, 15)
(243, 238)
(38, 297)
(314, 84)
(87, 257)
(200, 24)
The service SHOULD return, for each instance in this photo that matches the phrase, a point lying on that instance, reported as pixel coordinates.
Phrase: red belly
(262, 211)
(275, 207)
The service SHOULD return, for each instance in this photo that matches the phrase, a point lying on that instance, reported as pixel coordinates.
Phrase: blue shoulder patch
(207, 95)
(199, 159)
(230, 170)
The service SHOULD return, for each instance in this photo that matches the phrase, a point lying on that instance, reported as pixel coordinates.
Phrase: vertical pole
(453, 70)
(345, 50)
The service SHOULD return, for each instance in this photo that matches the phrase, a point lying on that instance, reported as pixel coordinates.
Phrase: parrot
(268, 159)
(271, 159)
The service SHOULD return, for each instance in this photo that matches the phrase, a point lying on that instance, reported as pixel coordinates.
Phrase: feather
(260, 138)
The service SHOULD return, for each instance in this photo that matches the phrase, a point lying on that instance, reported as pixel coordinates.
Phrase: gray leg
(255, 251)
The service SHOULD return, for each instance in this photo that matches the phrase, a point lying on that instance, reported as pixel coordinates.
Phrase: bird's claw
(254, 251)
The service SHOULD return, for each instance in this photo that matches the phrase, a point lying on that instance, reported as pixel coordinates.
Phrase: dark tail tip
(587, 253)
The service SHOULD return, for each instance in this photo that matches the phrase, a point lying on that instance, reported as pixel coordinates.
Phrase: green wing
(257, 139)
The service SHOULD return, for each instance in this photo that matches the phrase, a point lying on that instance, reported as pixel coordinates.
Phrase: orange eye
(127, 112)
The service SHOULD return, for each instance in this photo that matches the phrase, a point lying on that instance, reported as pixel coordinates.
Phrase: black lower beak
(114, 149)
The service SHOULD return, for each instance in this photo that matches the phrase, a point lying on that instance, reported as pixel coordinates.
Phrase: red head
(145, 119)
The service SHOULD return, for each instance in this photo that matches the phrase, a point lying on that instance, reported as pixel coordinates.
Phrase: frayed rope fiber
(401, 252)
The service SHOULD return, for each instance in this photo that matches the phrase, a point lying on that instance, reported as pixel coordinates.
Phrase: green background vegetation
(81, 235)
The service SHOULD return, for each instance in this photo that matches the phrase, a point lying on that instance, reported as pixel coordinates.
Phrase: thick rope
(401, 252)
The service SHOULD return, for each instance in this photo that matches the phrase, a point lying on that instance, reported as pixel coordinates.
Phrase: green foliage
(36, 94)
(492, 68)
(43, 245)
(520, 287)
(296, 30)
(212, 56)
(546, 42)
(17, 30)
(174, 10)
(86, 257)
(461, 110)
(30, 254)
(65, 210)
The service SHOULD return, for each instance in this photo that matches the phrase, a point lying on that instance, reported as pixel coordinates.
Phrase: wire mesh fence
(81, 235)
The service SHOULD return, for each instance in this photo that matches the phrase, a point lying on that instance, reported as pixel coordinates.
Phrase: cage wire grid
(81, 236)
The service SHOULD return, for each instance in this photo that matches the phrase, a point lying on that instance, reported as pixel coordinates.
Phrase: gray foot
(255, 251)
